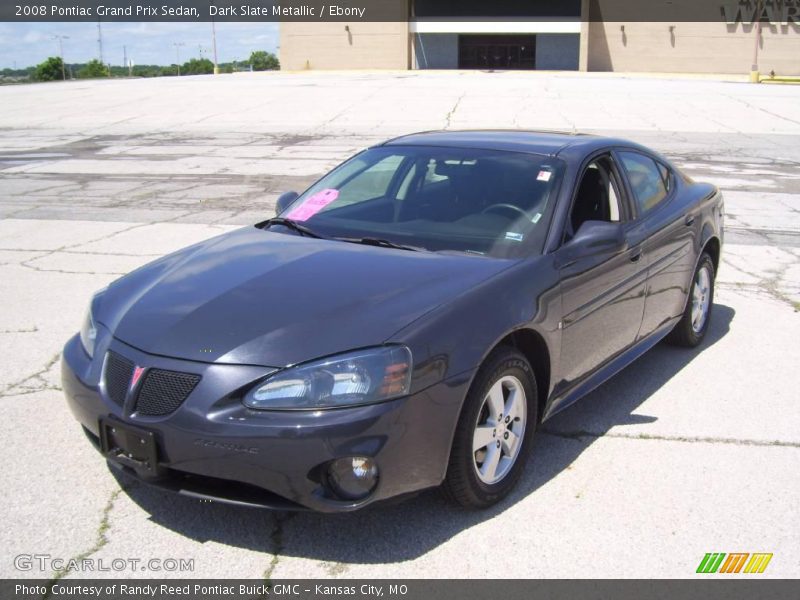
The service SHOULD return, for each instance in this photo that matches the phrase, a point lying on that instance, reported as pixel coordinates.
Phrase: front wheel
(494, 432)
(692, 327)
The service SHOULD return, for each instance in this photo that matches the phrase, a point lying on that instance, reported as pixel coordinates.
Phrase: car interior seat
(591, 203)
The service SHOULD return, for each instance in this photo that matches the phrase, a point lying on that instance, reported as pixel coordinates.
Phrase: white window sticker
(535, 218)
(513, 236)
(544, 176)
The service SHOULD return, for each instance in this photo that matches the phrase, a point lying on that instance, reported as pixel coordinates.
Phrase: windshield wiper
(303, 230)
(293, 225)
(369, 241)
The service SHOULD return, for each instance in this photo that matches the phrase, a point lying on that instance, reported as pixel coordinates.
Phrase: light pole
(100, 41)
(61, 39)
(128, 63)
(214, 40)
(178, 55)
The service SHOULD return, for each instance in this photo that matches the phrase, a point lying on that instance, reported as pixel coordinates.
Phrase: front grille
(118, 377)
(164, 391)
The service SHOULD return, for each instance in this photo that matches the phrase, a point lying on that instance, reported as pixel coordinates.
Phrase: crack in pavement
(277, 541)
(70, 247)
(46, 253)
(314, 131)
(95, 253)
(769, 284)
(25, 391)
(42, 385)
(449, 116)
(764, 110)
(579, 434)
(64, 271)
(100, 541)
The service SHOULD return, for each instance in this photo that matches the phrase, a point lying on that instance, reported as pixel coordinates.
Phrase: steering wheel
(495, 207)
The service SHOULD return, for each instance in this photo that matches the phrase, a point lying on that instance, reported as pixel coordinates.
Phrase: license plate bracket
(129, 445)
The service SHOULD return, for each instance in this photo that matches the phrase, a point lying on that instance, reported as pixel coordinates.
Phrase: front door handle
(635, 257)
(689, 220)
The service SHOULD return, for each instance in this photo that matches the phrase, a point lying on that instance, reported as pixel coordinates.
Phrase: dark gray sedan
(405, 323)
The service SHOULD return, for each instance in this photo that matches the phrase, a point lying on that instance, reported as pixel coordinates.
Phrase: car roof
(547, 143)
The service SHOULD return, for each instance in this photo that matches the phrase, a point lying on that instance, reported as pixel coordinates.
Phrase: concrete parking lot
(686, 452)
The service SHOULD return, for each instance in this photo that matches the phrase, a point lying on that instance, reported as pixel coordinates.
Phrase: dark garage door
(497, 52)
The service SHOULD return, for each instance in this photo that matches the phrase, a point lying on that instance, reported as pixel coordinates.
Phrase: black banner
(714, 587)
(776, 12)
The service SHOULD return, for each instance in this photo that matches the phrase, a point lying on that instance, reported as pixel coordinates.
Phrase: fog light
(353, 478)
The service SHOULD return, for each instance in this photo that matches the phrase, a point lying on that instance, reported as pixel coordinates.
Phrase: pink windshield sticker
(313, 204)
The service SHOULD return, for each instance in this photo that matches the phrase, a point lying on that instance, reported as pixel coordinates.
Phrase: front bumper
(212, 447)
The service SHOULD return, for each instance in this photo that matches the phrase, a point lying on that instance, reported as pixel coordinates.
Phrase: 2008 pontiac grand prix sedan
(405, 323)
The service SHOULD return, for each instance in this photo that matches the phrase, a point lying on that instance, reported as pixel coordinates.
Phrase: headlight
(360, 377)
(88, 328)
(88, 332)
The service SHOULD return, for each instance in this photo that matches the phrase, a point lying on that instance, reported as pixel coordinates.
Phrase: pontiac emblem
(137, 375)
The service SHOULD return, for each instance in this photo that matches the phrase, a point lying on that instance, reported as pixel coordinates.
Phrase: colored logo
(137, 375)
(736, 562)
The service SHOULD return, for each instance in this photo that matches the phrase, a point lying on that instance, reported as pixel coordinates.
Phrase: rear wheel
(692, 327)
(494, 432)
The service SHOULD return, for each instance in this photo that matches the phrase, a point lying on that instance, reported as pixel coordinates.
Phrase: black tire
(684, 334)
(462, 485)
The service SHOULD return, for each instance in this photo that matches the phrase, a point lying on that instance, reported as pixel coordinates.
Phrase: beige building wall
(712, 46)
(344, 46)
(691, 48)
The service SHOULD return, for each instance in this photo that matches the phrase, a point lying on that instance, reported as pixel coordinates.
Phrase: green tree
(94, 68)
(149, 71)
(26, 72)
(50, 70)
(197, 66)
(264, 61)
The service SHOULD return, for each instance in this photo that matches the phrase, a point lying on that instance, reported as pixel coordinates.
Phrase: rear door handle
(689, 220)
(635, 257)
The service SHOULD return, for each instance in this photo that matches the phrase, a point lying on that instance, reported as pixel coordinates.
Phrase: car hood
(263, 298)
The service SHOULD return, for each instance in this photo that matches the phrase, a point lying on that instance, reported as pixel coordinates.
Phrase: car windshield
(486, 202)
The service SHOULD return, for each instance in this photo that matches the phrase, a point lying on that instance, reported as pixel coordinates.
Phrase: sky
(27, 44)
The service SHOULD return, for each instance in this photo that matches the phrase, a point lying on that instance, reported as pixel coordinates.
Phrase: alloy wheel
(499, 430)
(701, 299)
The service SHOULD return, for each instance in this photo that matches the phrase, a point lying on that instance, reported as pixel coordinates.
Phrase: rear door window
(647, 180)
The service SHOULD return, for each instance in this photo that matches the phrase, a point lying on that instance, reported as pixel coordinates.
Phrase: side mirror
(284, 200)
(596, 237)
